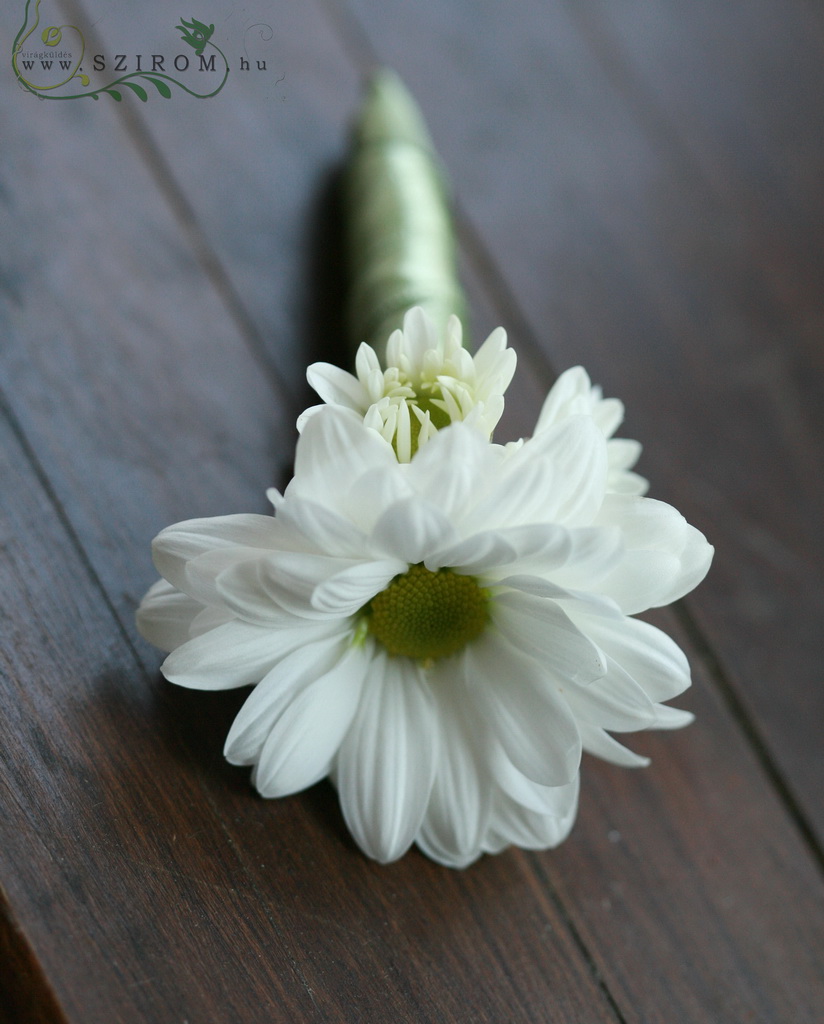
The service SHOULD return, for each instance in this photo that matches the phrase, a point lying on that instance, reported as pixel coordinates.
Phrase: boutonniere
(439, 623)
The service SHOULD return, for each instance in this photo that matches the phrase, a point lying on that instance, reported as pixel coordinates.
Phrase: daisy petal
(386, 764)
(593, 552)
(306, 415)
(335, 449)
(165, 616)
(614, 702)
(542, 629)
(278, 688)
(495, 363)
(512, 823)
(532, 795)
(572, 383)
(514, 497)
(242, 589)
(524, 710)
(235, 654)
(653, 659)
(608, 413)
(323, 528)
(696, 557)
(179, 544)
(578, 453)
(204, 571)
(665, 557)
(446, 469)
(312, 586)
(642, 580)
(602, 745)
(348, 591)
(458, 813)
(538, 587)
(337, 387)
(209, 618)
(377, 489)
(306, 736)
(623, 481)
(367, 364)
(622, 453)
(497, 549)
(419, 335)
(411, 530)
(671, 718)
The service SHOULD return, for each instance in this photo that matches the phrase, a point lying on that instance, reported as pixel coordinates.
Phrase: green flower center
(428, 615)
(425, 403)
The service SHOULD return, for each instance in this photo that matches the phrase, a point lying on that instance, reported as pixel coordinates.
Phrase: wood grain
(150, 371)
(639, 205)
(133, 846)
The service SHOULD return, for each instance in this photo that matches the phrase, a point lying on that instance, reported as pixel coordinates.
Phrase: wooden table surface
(640, 188)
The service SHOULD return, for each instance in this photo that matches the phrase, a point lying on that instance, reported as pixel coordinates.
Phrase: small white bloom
(442, 637)
(429, 382)
(574, 395)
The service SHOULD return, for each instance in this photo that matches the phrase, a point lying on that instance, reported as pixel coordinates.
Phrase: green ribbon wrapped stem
(401, 241)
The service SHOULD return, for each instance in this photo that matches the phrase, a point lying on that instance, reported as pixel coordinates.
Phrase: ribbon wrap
(400, 236)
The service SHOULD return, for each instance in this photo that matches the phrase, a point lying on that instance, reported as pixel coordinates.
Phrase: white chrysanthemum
(429, 382)
(441, 637)
(574, 395)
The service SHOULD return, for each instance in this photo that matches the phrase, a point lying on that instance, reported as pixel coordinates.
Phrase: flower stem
(401, 240)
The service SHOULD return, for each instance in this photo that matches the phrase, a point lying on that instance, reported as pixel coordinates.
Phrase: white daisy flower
(442, 637)
(574, 395)
(430, 381)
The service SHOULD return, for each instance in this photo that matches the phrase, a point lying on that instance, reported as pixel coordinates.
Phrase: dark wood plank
(683, 876)
(680, 260)
(744, 98)
(25, 993)
(575, 200)
(144, 873)
(411, 941)
(116, 867)
(688, 881)
(261, 202)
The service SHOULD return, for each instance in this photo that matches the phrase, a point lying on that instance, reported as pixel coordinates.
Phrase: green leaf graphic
(114, 93)
(138, 90)
(161, 86)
